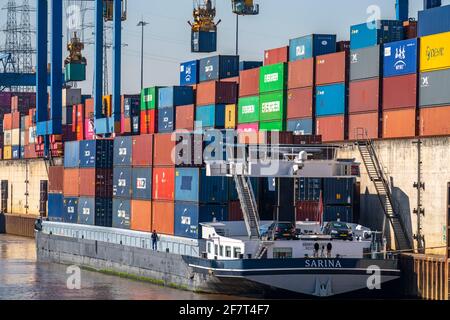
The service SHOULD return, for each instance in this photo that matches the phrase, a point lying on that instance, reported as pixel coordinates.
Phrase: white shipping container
(32, 135)
(71, 97)
(22, 137)
(7, 138)
(15, 137)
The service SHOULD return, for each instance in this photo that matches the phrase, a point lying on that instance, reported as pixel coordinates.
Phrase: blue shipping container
(311, 46)
(95, 211)
(55, 211)
(16, 152)
(232, 192)
(331, 100)
(175, 96)
(123, 151)
(121, 214)
(192, 184)
(212, 116)
(96, 154)
(400, 58)
(433, 21)
(203, 41)
(72, 154)
(188, 217)
(309, 189)
(218, 67)
(247, 65)
(189, 73)
(86, 211)
(338, 213)
(166, 120)
(142, 183)
(302, 126)
(338, 191)
(370, 34)
(70, 210)
(136, 125)
(122, 182)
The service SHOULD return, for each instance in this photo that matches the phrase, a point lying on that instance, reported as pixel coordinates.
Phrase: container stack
(365, 80)
(338, 199)
(71, 181)
(130, 114)
(248, 105)
(400, 89)
(214, 92)
(122, 182)
(149, 114)
(169, 100)
(55, 210)
(434, 93)
(332, 96)
(141, 199)
(308, 204)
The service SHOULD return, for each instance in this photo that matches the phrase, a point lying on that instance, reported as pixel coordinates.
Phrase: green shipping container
(75, 72)
(149, 98)
(248, 109)
(273, 126)
(273, 78)
(272, 106)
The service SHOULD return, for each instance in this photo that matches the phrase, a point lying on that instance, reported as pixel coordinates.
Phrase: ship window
(209, 247)
(228, 252)
(282, 253)
(236, 252)
(221, 251)
(216, 249)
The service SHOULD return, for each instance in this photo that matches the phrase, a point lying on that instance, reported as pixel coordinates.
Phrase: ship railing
(130, 238)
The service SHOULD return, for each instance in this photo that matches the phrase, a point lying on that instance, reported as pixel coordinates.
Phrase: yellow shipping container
(230, 116)
(435, 52)
(7, 153)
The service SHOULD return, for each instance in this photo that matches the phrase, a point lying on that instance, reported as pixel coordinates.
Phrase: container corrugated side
(434, 121)
(399, 123)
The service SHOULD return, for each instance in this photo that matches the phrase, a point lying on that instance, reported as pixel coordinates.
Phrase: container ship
(192, 163)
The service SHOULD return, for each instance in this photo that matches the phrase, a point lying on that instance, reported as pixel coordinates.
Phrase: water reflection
(21, 277)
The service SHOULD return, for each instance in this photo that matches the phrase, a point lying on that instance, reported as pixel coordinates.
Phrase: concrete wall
(399, 158)
(16, 174)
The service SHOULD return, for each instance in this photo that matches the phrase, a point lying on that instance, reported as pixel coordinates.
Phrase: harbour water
(23, 278)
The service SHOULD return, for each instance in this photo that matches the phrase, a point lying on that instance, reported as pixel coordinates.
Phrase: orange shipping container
(164, 150)
(399, 123)
(7, 121)
(163, 184)
(301, 73)
(163, 217)
(363, 123)
(249, 83)
(331, 128)
(71, 182)
(141, 215)
(435, 121)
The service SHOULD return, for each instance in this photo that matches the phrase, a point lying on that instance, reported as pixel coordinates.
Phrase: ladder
(248, 205)
(382, 186)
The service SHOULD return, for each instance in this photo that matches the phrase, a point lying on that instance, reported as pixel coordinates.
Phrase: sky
(167, 37)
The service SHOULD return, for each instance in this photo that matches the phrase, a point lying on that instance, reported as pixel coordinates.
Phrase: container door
(43, 197)
(4, 196)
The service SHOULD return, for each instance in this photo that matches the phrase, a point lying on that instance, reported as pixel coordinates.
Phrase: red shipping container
(56, 179)
(249, 83)
(364, 96)
(185, 116)
(233, 79)
(149, 121)
(30, 151)
(235, 211)
(364, 125)
(141, 215)
(276, 55)
(332, 68)
(71, 182)
(435, 121)
(331, 128)
(125, 124)
(142, 154)
(164, 149)
(308, 211)
(96, 182)
(7, 121)
(163, 184)
(16, 120)
(301, 73)
(400, 123)
(89, 108)
(400, 92)
(163, 217)
(300, 103)
(215, 92)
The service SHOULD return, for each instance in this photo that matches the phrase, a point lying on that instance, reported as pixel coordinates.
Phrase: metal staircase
(248, 205)
(382, 186)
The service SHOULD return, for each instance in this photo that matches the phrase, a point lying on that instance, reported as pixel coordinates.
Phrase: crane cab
(108, 10)
(245, 7)
(204, 28)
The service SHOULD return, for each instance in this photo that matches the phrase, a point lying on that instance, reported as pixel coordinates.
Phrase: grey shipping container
(365, 63)
(434, 88)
